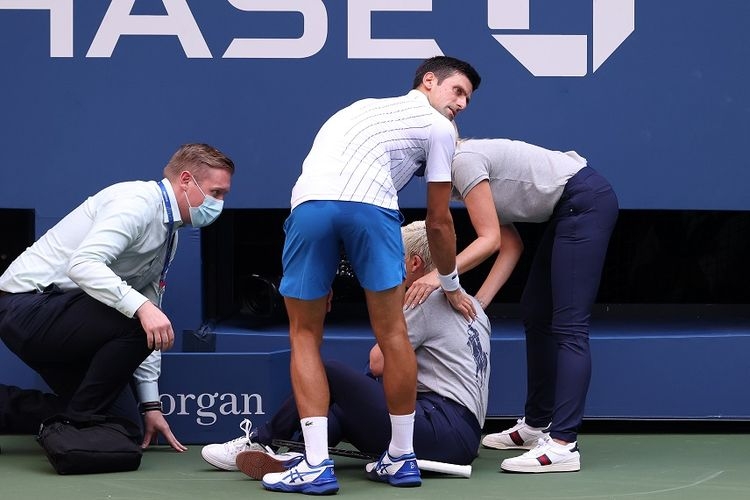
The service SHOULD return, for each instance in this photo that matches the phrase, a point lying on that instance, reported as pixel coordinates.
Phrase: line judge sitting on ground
(453, 370)
(81, 306)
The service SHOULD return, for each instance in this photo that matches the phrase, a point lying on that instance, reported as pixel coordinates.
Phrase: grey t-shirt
(526, 180)
(453, 355)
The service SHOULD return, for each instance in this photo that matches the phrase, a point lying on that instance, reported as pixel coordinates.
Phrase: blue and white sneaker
(398, 471)
(304, 478)
(256, 463)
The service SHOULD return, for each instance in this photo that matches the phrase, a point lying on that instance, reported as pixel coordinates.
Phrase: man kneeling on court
(453, 370)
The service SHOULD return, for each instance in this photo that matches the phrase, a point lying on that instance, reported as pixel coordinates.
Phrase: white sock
(402, 435)
(315, 432)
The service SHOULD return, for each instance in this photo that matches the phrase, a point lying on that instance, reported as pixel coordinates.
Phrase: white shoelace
(242, 441)
(541, 445)
(237, 445)
(519, 424)
(544, 441)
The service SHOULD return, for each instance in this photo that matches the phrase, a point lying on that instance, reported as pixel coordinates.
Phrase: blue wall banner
(653, 93)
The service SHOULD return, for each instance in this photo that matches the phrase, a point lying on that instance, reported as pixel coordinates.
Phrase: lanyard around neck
(170, 240)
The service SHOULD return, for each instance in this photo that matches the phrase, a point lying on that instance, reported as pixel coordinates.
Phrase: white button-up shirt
(113, 246)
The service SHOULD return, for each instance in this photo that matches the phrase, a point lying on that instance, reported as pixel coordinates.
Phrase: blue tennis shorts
(316, 233)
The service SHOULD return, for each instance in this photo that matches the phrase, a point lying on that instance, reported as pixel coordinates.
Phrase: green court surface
(685, 466)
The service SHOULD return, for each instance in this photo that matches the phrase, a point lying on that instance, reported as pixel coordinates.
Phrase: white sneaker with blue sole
(304, 478)
(397, 471)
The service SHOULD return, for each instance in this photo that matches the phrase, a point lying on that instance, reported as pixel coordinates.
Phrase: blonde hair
(415, 242)
(196, 159)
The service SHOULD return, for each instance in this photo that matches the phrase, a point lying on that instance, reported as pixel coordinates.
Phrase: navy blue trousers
(557, 300)
(85, 351)
(444, 430)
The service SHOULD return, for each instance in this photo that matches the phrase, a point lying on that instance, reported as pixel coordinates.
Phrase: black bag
(96, 444)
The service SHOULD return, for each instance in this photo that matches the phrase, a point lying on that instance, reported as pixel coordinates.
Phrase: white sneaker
(518, 437)
(398, 471)
(304, 478)
(224, 455)
(548, 456)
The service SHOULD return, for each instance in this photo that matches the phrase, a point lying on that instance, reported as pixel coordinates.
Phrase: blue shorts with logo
(317, 232)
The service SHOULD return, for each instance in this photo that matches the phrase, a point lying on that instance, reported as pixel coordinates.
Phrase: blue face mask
(205, 213)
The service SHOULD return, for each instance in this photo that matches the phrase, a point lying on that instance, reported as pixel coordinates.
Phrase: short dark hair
(445, 66)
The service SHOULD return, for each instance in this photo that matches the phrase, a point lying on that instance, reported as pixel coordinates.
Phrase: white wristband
(449, 282)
